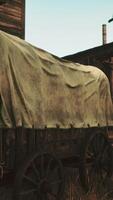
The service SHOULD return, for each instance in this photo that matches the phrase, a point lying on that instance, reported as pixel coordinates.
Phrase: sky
(64, 27)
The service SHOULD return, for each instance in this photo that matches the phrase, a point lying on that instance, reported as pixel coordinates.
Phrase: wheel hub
(44, 186)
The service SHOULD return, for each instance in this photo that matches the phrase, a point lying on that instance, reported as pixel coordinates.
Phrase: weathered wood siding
(12, 17)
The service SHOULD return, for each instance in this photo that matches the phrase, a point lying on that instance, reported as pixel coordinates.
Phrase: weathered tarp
(40, 89)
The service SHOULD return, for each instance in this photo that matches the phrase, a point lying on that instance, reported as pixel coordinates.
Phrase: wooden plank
(3, 135)
(12, 14)
(31, 140)
(1, 146)
(19, 151)
(3, 17)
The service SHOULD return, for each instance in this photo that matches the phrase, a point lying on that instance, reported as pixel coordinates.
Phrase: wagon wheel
(40, 178)
(96, 162)
(108, 196)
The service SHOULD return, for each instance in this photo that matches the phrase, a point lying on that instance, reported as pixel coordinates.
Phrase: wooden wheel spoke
(43, 196)
(52, 194)
(100, 148)
(105, 167)
(101, 174)
(91, 171)
(89, 154)
(56, 182)
(98, 144)
(104, 171)
(42, 165)
(53, 170)
(47, 198)
(103, 154)
(30, 180)
(106, 150)
(26, 192)
(48, 167)
(102, 143)
(91, 177)
(35, 170)
(105, 160)
(94, 148)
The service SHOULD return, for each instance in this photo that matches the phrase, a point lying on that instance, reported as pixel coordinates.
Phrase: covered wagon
(53, 114)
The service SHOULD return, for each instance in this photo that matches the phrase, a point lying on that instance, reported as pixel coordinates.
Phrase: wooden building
(12, 17)
(101, 57)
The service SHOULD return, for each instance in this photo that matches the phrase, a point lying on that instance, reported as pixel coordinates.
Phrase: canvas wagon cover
(40, 89)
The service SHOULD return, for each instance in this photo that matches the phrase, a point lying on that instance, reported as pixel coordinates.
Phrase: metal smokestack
(104, 34)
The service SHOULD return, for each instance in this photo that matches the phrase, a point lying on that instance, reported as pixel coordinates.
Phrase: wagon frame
(36, 154)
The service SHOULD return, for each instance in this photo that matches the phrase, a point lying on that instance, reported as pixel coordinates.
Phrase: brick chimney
(104, 34)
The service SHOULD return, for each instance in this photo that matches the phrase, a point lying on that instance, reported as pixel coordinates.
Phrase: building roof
(99, 52)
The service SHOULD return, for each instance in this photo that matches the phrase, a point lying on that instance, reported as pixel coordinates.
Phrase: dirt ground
(74, 191)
